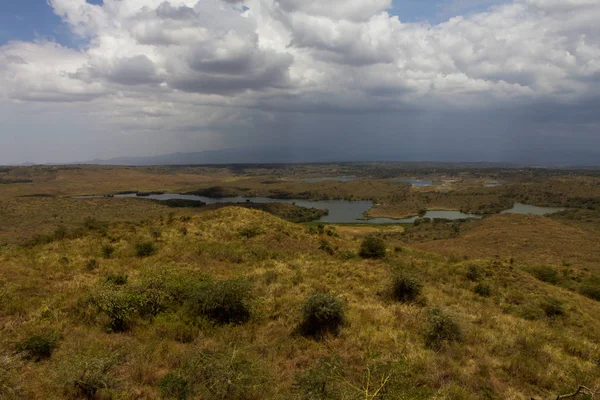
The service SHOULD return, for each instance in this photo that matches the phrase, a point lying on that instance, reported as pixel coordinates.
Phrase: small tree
(372, 247)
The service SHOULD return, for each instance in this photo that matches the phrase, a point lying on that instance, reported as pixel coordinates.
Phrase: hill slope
(126, 307)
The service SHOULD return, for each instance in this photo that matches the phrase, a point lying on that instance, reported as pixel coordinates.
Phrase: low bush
(117, 280)
(546, 274)
(226, 375)
(442, 328)
(145, 249)
(473, 273)
(320, 381)
(119, 306)
(553, 308)
(107, 251)
(483, 289)
(86, 376)
(38, 347)
(322, 313)
(91, 264)
(223, 302)
(372, 247)
(174, 386)
(250, 232)
(591, 290)
(406, 288)
(325, 246)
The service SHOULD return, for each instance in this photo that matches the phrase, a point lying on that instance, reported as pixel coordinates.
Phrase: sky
(435, 80)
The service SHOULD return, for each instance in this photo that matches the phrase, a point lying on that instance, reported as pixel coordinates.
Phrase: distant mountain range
(229, 156)
(327, 155)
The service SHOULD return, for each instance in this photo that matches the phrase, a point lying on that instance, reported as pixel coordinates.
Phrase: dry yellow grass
(511, 350)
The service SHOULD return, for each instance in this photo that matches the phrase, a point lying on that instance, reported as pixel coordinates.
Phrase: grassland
(119, 300)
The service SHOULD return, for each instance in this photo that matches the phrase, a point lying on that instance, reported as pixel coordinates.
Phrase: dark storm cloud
(519, 82)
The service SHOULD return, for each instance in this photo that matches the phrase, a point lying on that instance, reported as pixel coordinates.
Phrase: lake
(413, 182)
(520, 208)
(340, 211)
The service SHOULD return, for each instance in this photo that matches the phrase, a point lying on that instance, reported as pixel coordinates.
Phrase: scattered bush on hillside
(406, 288)
(107, 251)
(60, 233)
(473, 273)
(372, 247)
(223, 302)
(546, 274)
(591, 290)
(442, 328)
(325, 246)
(320, 381)
(174, 386)
(483, 289)
(250, 232)
(553, 308)
(38, 347)
(322, 314)
(116, 279)
(227, 375)
(118, 305)
(91, 264)
(145, 249)
(347, 255)
(86, 376)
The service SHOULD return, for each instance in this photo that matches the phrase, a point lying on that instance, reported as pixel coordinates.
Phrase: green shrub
(117, 280)
(347, 255)
(591, 290)
(250, 232)
(319, 381)
(39, 346)
(442, 328)
(325, 246)
(174, 386)
(95, 225)
(92, 264)
(107, 251)
(86, 376)
(372, 247)
(120, 306)
(60, 233)
(322, 313)
(553, 308)
(406, 288)
(483, 289)
(145, 249)
(473, 273)
(546, 274)
(223, 302)
(227, 375)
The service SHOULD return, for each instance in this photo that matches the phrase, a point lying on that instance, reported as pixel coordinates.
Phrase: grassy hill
(213, 305)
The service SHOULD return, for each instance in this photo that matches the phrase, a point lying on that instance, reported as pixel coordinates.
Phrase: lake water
(340, 211)
(520, 208)
(338, 179)
(344, 212)
(414, 182)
